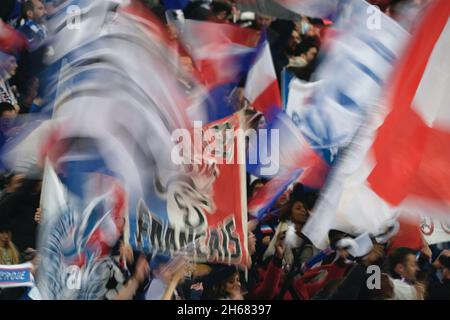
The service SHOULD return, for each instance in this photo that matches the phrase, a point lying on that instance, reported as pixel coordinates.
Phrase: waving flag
(203, 204)
(282, 149)
(352, 79)
(115, 93)
(351, 87)
(261, 88)
(222, 55)
(11, 41)
(270, 192)
(403, 165)
(83, 218)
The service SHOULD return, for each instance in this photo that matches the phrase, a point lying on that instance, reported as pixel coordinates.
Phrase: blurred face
(4, 238)
(11, 66)
(15, 183)
(222, 16)
(409, 269)
(311, 54)
(263, 22)
(299, 214)
(233, 284)
(261, 123)
(446, 273)
(312, 31)
(39, 11)
(10, 114)
(294, 40)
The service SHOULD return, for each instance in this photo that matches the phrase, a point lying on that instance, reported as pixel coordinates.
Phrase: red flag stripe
(399, 148)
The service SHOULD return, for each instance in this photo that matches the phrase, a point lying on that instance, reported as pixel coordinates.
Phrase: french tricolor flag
(265, 229)
(220, 52)
(399, 166)
(261, 89)
(270, 192)
(222, 55)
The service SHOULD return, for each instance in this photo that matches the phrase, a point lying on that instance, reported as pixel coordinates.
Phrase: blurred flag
(115, 93)
(222, 55)
(83, 218)
(299, 98)
(416, 134)
(350, 90)
(270, 192)
(282, 148)
(202, 204)
(11, 41)
(352, 79)
(261, 88)
(405, 164)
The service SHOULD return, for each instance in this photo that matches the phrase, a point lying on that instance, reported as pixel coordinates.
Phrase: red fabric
(268, 99)
(307, 290)
(11, 41)
(408, 236)
(414, 156)
(270, 284)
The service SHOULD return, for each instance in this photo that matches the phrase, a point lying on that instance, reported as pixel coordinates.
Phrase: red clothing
(307, 288)
(270, 285)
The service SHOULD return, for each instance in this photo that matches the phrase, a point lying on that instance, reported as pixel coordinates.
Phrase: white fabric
(403, 290)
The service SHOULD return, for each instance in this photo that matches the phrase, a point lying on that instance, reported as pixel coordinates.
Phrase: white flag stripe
(261, 75)
(432, 97)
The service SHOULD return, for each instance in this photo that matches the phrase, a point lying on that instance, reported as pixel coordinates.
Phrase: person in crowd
(223, 283)
(269, 278)
(265, 230)
(441, 289)
(32, 25)
(284, 48)
(8, 69)
(403, 270)
(29, 99)
(17, 213)
(221, 11)
(8, 251)
(199, 10)
(304, 54)
(256, 185)
(7, 115)
(296, 216)
(7, 112)
(134, 283)
(118, 266)
(355, 284)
